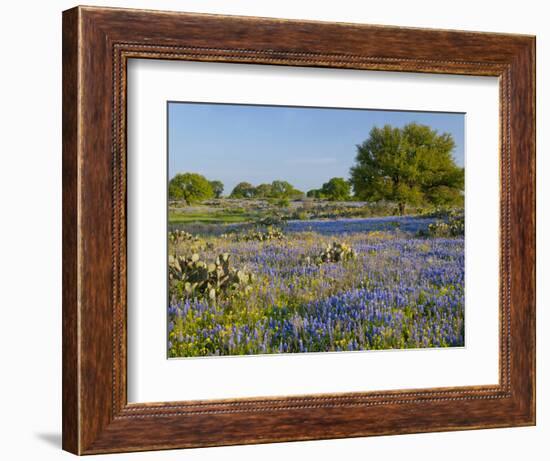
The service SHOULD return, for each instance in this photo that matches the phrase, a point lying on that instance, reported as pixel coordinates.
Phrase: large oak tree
(412, 165)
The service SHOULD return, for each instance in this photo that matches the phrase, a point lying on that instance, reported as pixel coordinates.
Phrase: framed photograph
(281, 230)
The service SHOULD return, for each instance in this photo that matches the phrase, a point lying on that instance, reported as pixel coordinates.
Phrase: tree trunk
(401, 207)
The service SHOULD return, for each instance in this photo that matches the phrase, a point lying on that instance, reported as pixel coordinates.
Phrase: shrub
(271, 220)
(282, 202)
(302, 215)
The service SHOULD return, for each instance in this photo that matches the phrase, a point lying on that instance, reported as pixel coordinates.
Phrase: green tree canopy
(336, 189)
(283, 189)
(315, 193)
(243, 190)
(263, 191)
(217, 188)
(191, 187)
(412, 165)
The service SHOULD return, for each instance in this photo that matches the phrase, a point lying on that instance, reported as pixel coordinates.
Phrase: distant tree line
(412, 166)
(276, 190)
(194, 188)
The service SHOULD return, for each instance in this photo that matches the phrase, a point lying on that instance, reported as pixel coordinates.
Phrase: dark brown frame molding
(97, 43)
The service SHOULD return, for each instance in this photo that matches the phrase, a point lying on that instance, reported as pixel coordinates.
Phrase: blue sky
(258, 144)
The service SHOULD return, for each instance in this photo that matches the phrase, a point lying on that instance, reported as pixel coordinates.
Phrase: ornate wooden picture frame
(97, 44)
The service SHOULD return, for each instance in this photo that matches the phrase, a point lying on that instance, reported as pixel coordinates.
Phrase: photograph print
(313, 229)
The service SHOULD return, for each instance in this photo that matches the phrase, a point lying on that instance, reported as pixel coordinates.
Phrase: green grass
(215, 218)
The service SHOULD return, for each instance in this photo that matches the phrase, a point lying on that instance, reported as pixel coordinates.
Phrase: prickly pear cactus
(179, 236)
(271, 233)
(192, 278)
(452, 226)
(336, 252)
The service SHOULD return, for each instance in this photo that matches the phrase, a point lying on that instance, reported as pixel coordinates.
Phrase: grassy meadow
(263, 276)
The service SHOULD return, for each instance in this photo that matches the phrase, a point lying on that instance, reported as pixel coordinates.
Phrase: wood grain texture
(97, 43)
(70, 384)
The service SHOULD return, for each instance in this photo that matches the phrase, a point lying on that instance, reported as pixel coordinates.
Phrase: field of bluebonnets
(316, 280)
